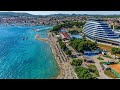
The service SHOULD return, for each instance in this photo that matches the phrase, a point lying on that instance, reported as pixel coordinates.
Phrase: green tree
(115, 51)
(68, 24)
(80, 47)
(62, 45)
(84, 37)
(77, 62)
(83, 73)
(73, 32)
(81, 44)
(68, 52)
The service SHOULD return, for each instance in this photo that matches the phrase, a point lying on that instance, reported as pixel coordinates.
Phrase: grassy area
(118, 55)
(94, 70)
(110, 74)
(106, 47)
(107, 56)
(100, 58)
(83, 73)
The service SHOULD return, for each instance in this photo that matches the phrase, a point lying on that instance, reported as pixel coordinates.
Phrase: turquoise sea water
(23, 57)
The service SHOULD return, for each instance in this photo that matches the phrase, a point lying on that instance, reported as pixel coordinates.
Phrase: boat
(24, 38)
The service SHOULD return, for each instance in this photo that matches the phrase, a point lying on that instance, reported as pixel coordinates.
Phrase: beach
(66, 70)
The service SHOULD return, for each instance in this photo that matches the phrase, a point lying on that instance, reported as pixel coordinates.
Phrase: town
(91, 58)
(85, 46)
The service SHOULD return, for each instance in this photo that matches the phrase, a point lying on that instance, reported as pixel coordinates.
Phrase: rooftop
(65, 35)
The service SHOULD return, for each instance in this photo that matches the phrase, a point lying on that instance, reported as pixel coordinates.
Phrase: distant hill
(114, 15)
(13, 14)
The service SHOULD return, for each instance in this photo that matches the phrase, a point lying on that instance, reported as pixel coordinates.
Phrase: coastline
(66, 71)
(59, 64)
(60, 73)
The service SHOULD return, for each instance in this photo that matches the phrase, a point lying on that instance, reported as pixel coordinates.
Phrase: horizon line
(61, 12)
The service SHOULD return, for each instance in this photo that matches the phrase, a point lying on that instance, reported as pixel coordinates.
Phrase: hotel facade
(100, 31)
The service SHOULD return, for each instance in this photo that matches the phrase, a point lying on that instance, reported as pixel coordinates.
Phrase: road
(99, 68)
(97, 64)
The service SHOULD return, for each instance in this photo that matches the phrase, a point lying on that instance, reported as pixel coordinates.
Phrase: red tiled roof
(65, 35)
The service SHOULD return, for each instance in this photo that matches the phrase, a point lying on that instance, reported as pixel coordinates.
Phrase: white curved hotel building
(100, 31)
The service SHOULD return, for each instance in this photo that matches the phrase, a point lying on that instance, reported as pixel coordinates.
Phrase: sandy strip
(61, 73)
(66, 70)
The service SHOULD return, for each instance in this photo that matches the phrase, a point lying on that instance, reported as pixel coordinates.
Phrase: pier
(37, 36)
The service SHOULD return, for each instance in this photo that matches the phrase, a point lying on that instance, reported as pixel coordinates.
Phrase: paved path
(101, 72)
(97, 64)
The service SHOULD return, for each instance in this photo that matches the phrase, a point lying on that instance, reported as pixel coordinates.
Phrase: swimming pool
(92, 54)
(78, 36)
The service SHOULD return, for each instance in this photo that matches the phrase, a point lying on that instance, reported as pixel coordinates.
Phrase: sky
(68, 12)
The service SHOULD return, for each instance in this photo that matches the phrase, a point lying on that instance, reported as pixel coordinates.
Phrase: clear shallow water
(23, 57)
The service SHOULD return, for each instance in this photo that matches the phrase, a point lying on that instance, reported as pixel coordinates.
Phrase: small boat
(24, 38)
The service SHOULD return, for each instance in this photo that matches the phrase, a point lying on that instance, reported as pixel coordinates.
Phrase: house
(64, 36)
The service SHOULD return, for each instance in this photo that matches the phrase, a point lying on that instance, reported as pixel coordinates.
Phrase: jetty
(37, 36)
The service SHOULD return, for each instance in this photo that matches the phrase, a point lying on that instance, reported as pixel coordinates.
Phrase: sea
(24, 57)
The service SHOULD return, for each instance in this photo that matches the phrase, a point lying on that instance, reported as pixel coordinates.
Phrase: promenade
(99, 68)
(66, 70)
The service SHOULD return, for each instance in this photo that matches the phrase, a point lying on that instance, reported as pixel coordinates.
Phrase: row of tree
(76, 62)
(81, 44)
(69, 24)
(64, 48)
(82, 72)
(117, 27)
(73, 32)
(115, 50)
